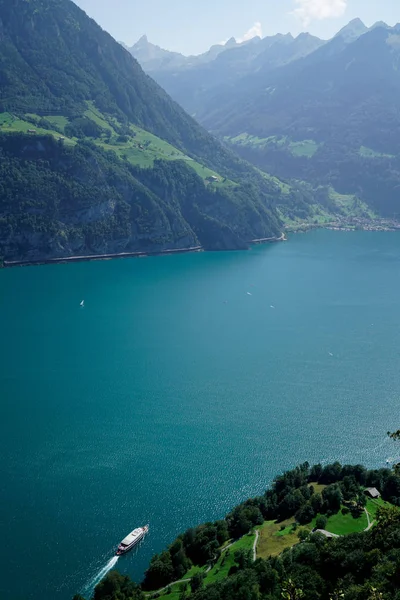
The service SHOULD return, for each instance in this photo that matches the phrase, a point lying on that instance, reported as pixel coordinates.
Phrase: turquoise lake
(174, 394)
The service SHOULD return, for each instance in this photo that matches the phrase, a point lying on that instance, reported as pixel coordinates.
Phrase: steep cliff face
(58, 201)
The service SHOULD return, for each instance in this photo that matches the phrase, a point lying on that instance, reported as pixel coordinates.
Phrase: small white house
(372, 492)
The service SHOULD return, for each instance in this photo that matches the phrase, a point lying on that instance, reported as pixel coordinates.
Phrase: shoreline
(350, 225)
(110, 256)
(90, 257)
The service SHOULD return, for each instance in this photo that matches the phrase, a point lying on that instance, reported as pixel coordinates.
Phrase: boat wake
(101, 574)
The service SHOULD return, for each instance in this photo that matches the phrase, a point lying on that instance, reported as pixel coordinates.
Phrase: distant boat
(131, 540)
(271, 306)
(249, 294)
(330, 353)
(82, 303)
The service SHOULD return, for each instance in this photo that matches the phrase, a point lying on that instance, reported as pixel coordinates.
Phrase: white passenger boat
(131, 540)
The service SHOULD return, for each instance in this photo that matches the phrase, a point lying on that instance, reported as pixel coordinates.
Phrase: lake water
(174, 393)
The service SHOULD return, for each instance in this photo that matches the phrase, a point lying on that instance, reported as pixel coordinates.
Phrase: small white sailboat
(82, 303)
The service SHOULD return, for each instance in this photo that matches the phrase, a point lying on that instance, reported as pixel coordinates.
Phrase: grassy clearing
(227, 559)
(343, 206)
(302, 148)
(195, 569)
(10, 123)
(219, 571)
(350, 204)
(305, 148)
(143, 148)
(174, 594)
(205, 172)
(96, 116)
(318, 487)
(341, 524)
(247, 139)
(286, 531)
(273, 540)
(139, 147)
(373, 505)
(283, 187)
(6, 119)
(369, 153)
(318, 217)
(58, 121)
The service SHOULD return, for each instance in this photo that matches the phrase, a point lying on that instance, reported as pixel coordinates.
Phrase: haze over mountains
(190, 80)
(326, 112)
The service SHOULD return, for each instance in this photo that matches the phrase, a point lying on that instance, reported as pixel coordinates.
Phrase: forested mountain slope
(59, 200)
(62, 75)
(54, 59)
(331, 118)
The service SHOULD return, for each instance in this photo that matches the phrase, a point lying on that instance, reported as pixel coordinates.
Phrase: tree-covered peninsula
(318, 533)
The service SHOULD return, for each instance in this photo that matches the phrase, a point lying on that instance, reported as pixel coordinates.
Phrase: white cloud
(318, 10)
(255, 31)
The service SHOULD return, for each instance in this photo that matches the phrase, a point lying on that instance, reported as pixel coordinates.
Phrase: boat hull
(124, 549)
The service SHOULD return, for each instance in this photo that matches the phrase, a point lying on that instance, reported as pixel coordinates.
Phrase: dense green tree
(160, 572)
(197, 581)
(331, 473)
(321, 522)
(305, 514)
(243, 558)
(117, 587)
(332, 498)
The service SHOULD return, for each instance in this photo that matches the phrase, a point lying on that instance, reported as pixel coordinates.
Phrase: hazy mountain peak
(352, 30)
(230, 43)
(304, 35)
(380, 24)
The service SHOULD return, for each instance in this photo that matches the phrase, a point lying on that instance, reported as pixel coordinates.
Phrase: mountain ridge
(340, 103)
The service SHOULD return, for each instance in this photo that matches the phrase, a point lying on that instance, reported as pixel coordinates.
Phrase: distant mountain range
(191, 80)
(196, 82)
(326, 112)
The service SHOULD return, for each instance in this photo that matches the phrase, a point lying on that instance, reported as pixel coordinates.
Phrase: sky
(192, 26)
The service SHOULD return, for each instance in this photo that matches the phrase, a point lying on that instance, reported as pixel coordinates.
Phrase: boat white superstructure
(133, 538)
